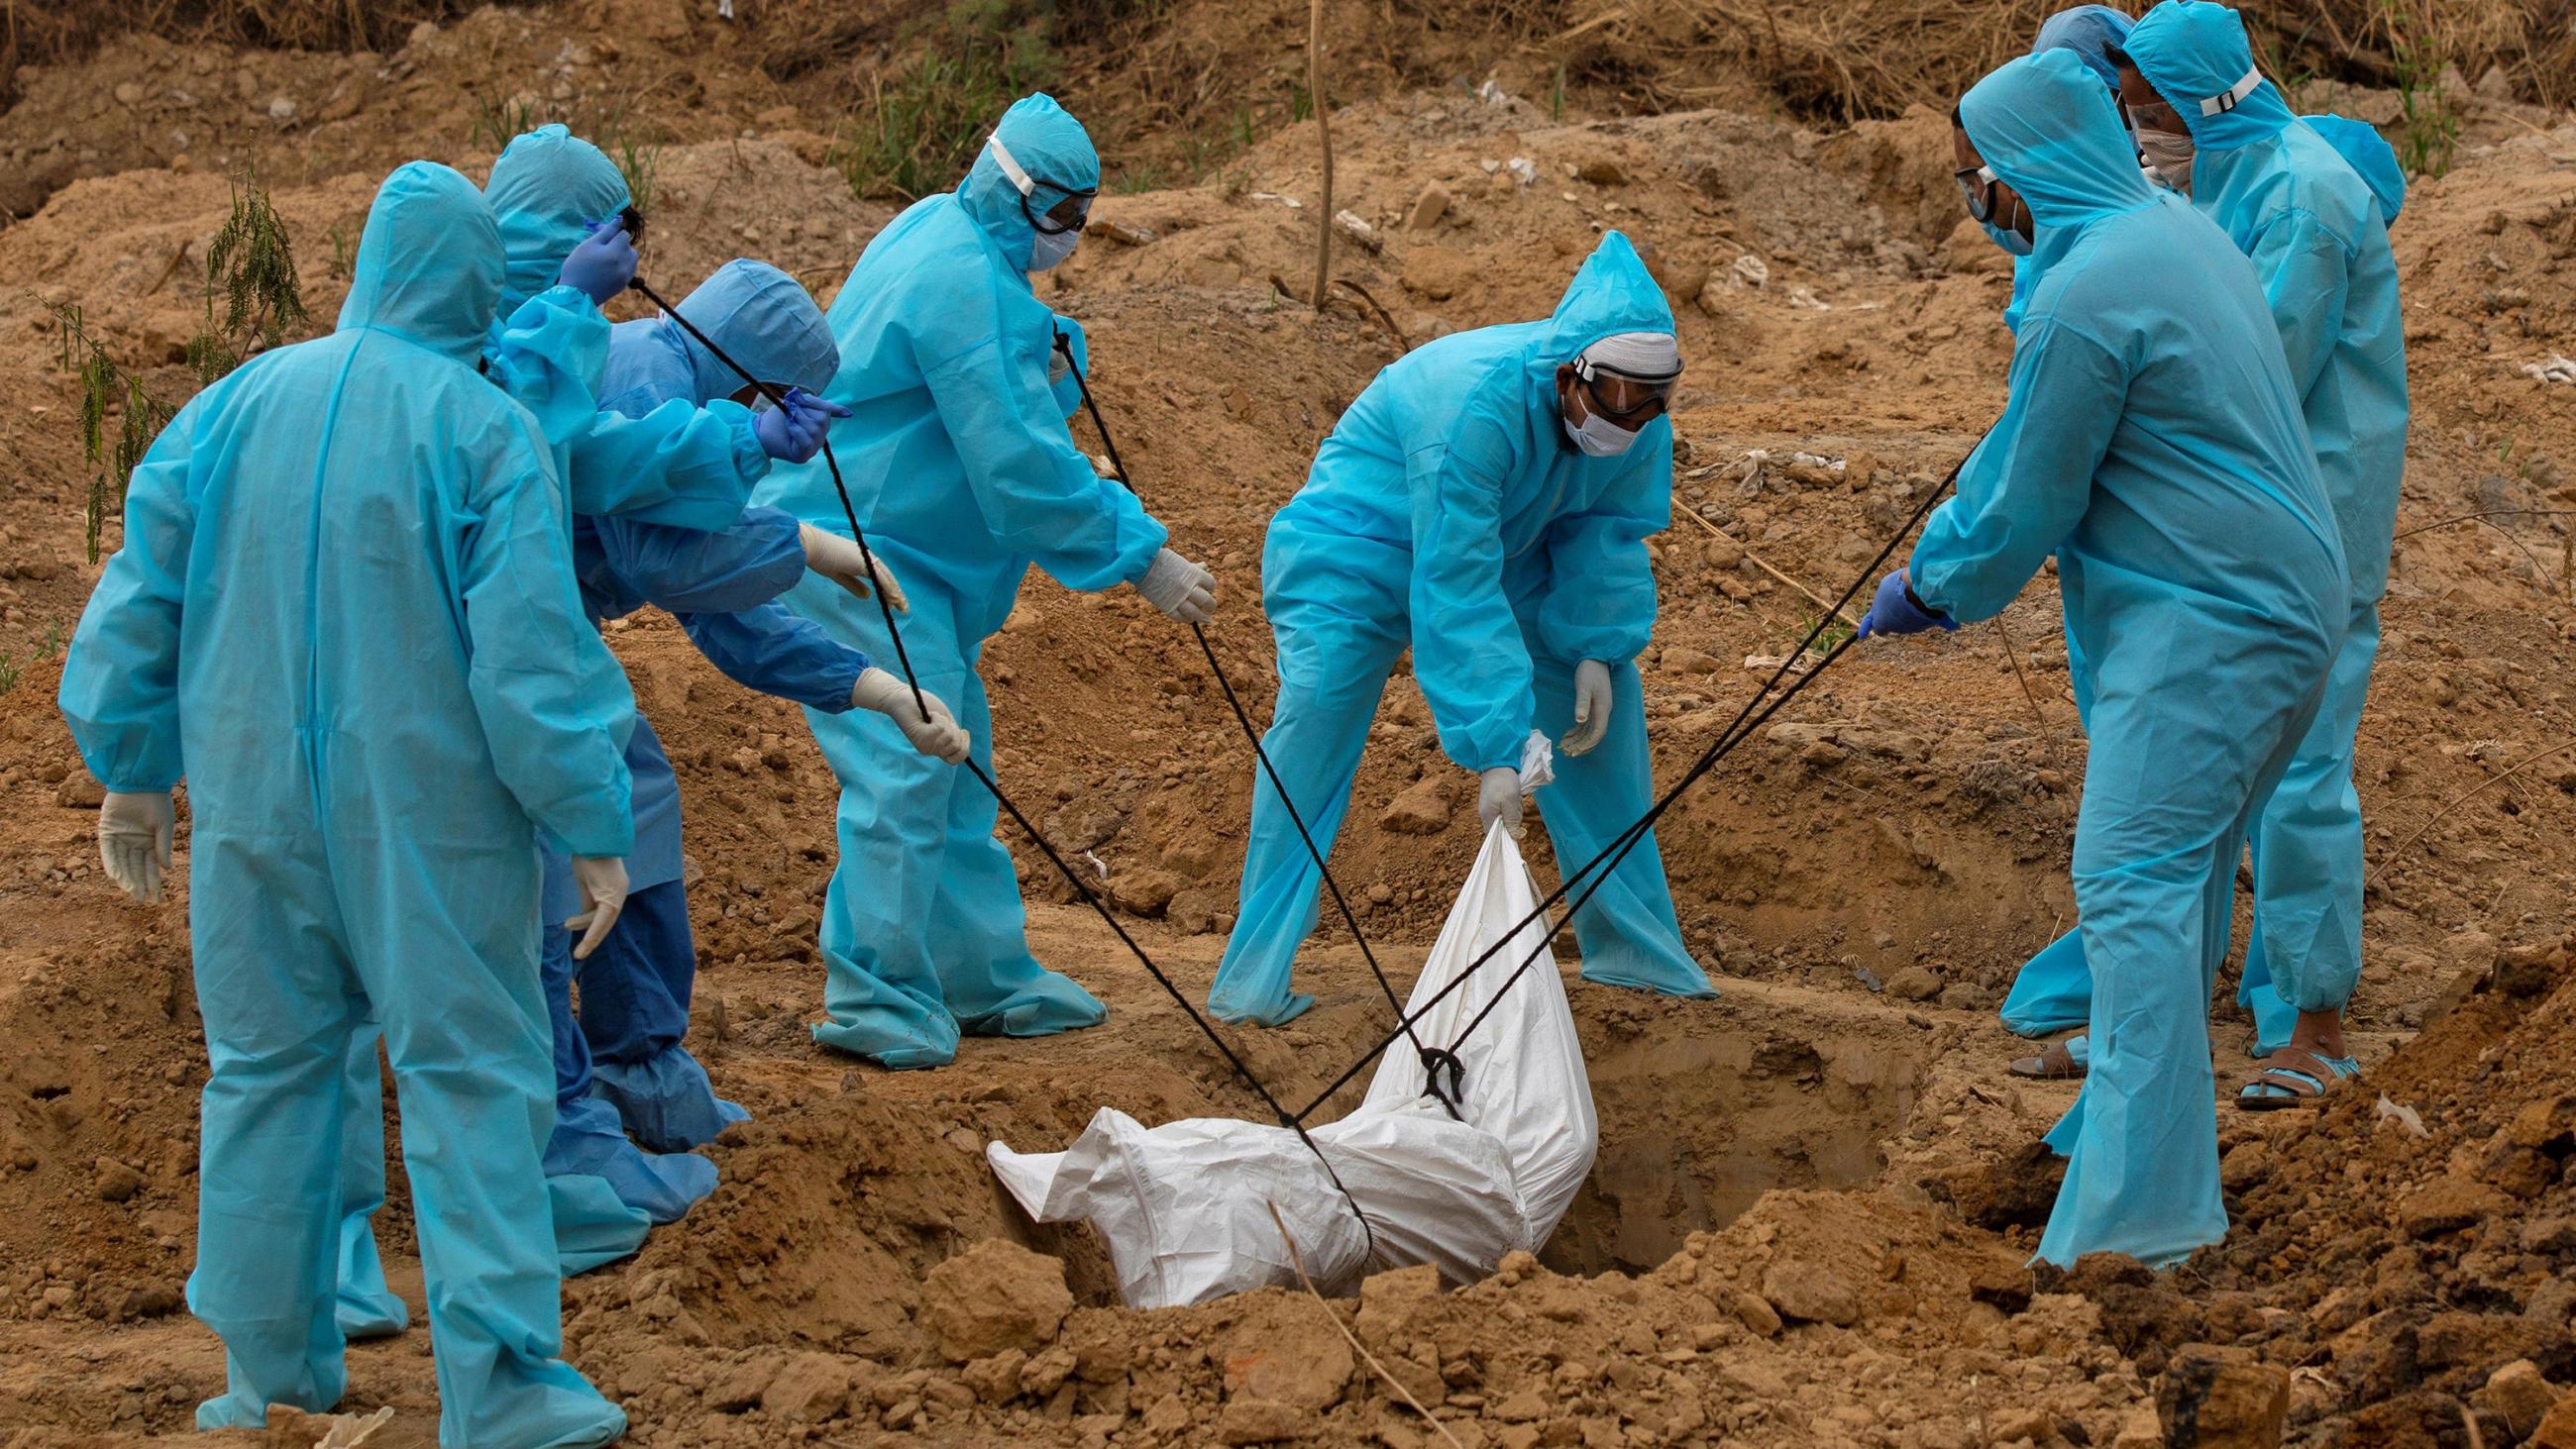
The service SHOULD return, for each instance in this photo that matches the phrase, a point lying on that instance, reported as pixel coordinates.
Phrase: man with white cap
(1486, 501)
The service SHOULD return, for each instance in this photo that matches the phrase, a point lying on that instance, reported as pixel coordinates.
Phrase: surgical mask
(1045, 250)
(1598, 437)
(2011, 241)
(2168, 154)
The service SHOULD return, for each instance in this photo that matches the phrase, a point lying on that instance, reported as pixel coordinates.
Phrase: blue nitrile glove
(1895, 610)
(602, 265)
(794, 433)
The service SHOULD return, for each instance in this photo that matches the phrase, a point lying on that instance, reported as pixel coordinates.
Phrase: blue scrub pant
(296, 946)
(924, 935)
(2307, 853)
(589, 1140)
(2156, 848)
(1339, 633)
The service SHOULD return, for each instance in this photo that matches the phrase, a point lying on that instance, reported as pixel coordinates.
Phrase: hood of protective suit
(2046, 125)
(429, 262)
(1612, 292)
(763, 319)
(545, 187)
(2090, 31)
(1051, 146)
(2192, 51)
(2367, 152)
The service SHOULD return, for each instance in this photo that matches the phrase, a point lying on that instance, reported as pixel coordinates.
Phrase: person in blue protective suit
(2153, 443)
(619, 1065)
(961, 469)
(345, 613)
(2091, 33)
(567, 226)
(1486, 501)
(2316, 230)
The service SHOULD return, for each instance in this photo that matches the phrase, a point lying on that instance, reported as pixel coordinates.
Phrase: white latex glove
(602, 879)
(134, 841)
(1499, 798)
(939, 736)
(1591, 706)
(845, 563)
(1179, 588)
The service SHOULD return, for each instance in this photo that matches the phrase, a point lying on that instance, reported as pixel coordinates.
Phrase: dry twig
(1298, 1261)
(1819, 600)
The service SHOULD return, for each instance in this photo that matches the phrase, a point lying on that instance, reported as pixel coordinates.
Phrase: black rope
(1279, 787)
(1081, 887)
(1608, 858)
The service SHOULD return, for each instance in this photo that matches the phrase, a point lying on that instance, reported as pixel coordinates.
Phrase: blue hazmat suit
(2316, 231)
(688, 467)
(961, 469)
(345, 614)
(620, 1067)
(2090, 33)
(1449, 512)
(2153, 443)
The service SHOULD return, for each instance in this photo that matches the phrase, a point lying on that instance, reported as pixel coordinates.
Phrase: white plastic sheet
(1185, 1207)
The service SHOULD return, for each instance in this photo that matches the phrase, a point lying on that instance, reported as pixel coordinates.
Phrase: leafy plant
(252, 264)
(498, 121)
(113, 451)
(920, 130)
(2428, 120)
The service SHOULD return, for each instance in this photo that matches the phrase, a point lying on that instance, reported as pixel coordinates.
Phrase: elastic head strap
(1011, 171)
(2233, 96)
(1590, 371)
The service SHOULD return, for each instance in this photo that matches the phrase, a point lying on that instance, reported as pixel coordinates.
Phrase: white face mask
(2168, 155)
(1045, 251)
(1598, 437)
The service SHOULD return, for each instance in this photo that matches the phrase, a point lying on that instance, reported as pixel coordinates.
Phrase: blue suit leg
(2054, 990)
(281, 1005)
(589, 1141)
(880, 987)
(441, 937)
(1627, 931)
(2306, 949)
(634, 1011)
(1339, 633)
(978, 927)
(367, 1307)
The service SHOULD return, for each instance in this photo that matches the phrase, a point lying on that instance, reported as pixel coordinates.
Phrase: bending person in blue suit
(620, 1067)
(962, 471)
(2092, 33)
(344, 611)
(1486, 501)
(2153, 443)
(2315, 227)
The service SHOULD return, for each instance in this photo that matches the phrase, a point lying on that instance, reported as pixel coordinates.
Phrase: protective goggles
(1648, 396)
(1073, 213)
(1977, 188)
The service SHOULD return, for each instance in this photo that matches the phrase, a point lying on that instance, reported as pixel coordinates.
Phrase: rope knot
(1435, 1060)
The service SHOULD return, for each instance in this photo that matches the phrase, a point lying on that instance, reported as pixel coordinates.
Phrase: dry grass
(1850, 59)
(41, 31)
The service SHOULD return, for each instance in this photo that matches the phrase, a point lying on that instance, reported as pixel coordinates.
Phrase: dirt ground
(1815, 1195)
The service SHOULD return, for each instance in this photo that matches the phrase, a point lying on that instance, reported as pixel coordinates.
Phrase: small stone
(1680, 659)
(1423, 809)
(993, 1296)
(2446, 1205)
(2557, 1427)
(79, 792)
(1428, 208)
(1259, 1421)
(116, 1181)
(1754, 1312)
(1810, 1295)
(741, 1386)
(2245, 1164)
(2210, 1401)
(2520, 1396)
(809, 1389)
(1602, 171)
(281, 109)
(996, 1380)
(1914, 983)
(128, 93)
(1144, 892)
(1438, 272)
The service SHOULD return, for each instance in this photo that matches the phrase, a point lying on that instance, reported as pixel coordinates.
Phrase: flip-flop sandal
(2059, 1061)
(2280, 1087)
